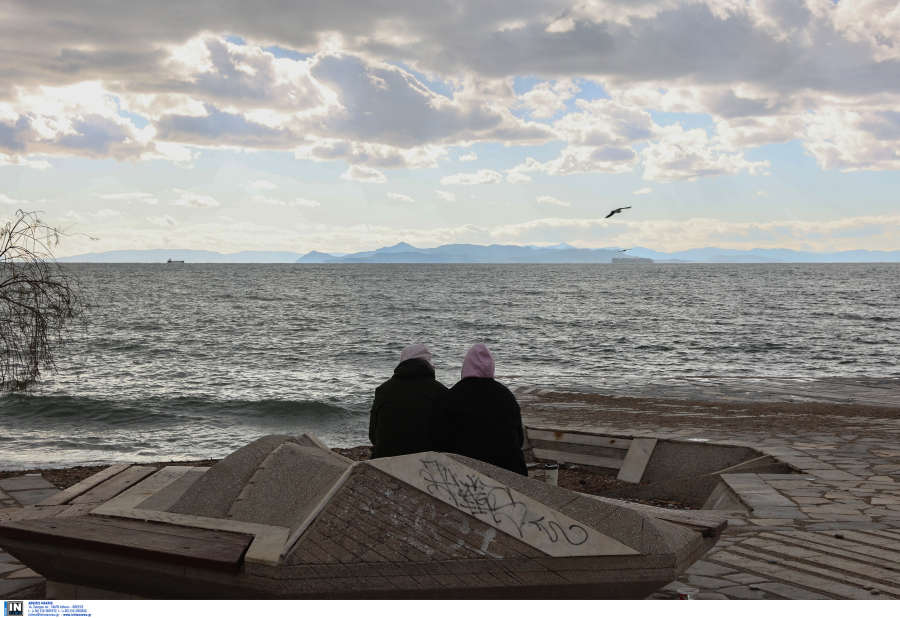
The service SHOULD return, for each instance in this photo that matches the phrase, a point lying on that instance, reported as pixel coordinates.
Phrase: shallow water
(193, 360)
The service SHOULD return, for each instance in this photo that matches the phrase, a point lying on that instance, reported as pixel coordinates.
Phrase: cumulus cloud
(643, 191)
(194, 200)
(146, 198)
(400, 197)
(262, 184)
(163, 221)
(446, 195)
(99, 215)
(468, 157)
(481, 177)
(548, 98)
(546, 199)
(759, 194)
(688, 155)
(8, 200)
(360, 173)
(517, 178)
(296, 201)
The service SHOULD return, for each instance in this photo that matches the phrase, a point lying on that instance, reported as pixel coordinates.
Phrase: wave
(160, 411)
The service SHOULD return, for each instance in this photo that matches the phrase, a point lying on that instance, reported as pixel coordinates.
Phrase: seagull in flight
(624, 250)
(617, 211)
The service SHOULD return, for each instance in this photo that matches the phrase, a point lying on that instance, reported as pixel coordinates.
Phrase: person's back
(484, 417)
(402, 420)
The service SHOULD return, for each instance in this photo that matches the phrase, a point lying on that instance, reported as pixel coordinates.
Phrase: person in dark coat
(403, 417)
(484, 417)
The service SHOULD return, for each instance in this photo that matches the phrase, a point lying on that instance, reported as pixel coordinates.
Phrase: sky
(351, 125)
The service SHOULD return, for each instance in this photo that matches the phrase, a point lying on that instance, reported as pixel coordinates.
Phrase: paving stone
(20, 483)
(847, 525)
(4, 557)
(23, 574)
(9, 586)
(9, 567)
(790, 592)
(711, 596)
(745, 578)
(743, 592)
(698, 581)
(708, 569)
(33, 496)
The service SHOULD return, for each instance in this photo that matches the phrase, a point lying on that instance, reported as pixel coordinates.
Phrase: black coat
(403, 418)
(485, 423)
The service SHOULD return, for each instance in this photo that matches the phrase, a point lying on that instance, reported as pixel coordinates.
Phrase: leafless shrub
(40, 302)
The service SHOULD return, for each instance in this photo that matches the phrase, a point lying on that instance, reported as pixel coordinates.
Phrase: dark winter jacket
(485, 423)
(403, 420)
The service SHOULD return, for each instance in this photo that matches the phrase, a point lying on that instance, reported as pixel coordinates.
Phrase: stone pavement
(832, 530)
(16, 580)
(861, 391)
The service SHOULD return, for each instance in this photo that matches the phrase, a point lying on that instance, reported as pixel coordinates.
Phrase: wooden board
(576, 458)
(140, 492)
(214, 550)
(114, 486)
(84, 486)
(578, 438)
(636, 460)
(709, 526)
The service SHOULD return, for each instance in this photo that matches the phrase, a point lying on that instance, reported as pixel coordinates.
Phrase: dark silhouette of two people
(478, 417)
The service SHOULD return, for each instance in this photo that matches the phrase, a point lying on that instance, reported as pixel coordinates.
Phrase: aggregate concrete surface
(831, 530)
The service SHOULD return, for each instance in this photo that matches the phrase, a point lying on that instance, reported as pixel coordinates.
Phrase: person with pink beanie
(485, 421)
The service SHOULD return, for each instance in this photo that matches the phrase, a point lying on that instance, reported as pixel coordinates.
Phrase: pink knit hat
(479, 362)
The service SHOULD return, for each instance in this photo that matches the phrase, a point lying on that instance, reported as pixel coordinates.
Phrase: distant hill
(404, 253)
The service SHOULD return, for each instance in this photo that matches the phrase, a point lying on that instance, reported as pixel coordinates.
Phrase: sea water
(189, 361)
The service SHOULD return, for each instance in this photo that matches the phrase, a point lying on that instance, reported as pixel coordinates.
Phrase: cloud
(546, 199)
(564, 24)
(263, 184)
(468, 157)
(194, 200)
(481, 177)
(360, 173)
(446, 195)
(400, 197)
(163, 221)
(548, 98)
(9, 200)
(146, 198)
(99, 215)
(517, 178)
(759, 194)
(688, 155)
(297, 201)
(643, 191)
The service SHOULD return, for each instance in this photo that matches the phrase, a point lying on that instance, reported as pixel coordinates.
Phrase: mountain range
(404, 253)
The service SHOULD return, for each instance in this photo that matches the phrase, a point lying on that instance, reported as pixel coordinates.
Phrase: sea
(191, 361)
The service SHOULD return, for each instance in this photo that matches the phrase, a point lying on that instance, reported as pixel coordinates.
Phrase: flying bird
(624, 250)
(616, 211)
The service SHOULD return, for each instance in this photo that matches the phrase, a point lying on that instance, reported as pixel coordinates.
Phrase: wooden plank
(758, 564)
(578, 438)
(140, 492)
(84, 486)
(576, 458)
(831, 561)
(829, 545)
(636, 460)
(39, 512)
(267, 543)
(114, 486)
(709, 526)
(218, 551)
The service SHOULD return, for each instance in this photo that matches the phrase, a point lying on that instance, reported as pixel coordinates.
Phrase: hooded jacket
(403, 419)
(484, 419)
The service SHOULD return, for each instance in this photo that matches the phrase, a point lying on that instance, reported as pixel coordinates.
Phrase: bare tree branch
(40, 302)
